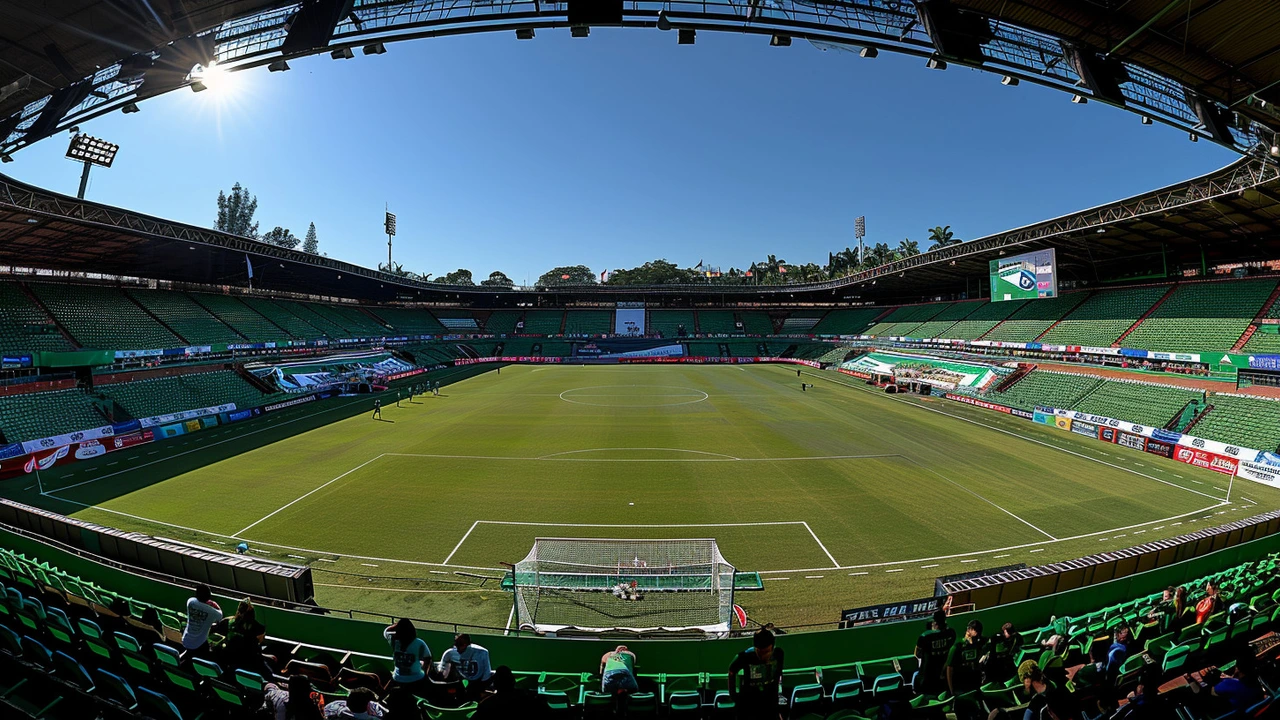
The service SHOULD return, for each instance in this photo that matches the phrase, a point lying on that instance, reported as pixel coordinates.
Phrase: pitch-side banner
(186, 415)
(1265, 474)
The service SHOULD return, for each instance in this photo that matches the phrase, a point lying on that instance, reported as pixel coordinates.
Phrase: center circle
(633, 396)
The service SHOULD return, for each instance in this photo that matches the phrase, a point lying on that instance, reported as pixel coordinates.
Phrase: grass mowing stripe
(304, 497)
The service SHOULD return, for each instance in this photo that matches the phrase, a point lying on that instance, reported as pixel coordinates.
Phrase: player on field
(377, 409)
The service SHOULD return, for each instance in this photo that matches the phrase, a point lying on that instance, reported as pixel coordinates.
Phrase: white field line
(399, 590)
(835, 564)
(303, 497)
(464, 539)
(718, 457)
(983, 499)
(1029, 439)
(268, 426)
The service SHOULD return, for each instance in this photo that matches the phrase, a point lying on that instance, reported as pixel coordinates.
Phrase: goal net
(598, 585)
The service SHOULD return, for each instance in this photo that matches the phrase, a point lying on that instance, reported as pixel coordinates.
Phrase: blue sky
(498, 154)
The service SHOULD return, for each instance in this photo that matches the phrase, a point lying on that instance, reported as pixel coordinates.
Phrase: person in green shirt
(964, 671)
(932, 648)
(618, 671)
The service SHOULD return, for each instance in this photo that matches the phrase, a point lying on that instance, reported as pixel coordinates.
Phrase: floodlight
(869, 52)
(1275, 150)
(89, 149)
(524, 33)
(6, 158)
(1079, 99)
(129, 109)
(374, 49)
(1194, 137)
(780, 41)
(198, 85)
(686, 36)
(343, 53)
(1010, 81)
(278, 66)
(664, 22)
(1146, 119)
(580, 31)
(936, 63)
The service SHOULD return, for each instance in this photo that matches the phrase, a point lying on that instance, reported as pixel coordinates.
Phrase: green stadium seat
(588, 322)
(131, 653)
(1175, 658)
(1035, 317)
(846, 693)
(242, 318)
(717, 322)
(684, 703)
(411, 321)
(24, 326)
(851, 321)
(1144, 403)
(168, 657)
(44, 414)
(115, 689)
(983, 318)
(188, 319)
(806, 698)
(502, 322)
(81, 308)
(1044, 387)
(1237, 420)
(542, 322)
(756, 322)
(91, 636)
(1102, 318)
(1202, 316)
(670, 322)
(157, 396)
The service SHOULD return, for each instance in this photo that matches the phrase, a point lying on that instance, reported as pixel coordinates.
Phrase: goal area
(602, 585)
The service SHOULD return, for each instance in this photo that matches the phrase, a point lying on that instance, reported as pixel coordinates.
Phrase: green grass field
(840, 496)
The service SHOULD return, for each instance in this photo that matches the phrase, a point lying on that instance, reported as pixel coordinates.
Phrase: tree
(655, 272)
(497, 278)
(398, 270)
(235, 212)
(567, 275)
(311, 244)
(879, 254)
(942, 237)
(907, 248)
(281, 237)
(457, 277)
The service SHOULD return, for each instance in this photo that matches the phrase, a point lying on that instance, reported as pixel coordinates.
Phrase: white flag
(248, 264)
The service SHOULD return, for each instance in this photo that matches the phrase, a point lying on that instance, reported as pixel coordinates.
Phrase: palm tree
(907, 248)
(942, 236)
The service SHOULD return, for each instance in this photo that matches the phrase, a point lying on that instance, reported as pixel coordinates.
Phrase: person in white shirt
(202, 614)
(409, 653)
(359, 705)
(471, 662)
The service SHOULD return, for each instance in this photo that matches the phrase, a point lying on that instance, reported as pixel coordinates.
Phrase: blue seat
(115, 689)
(159, 706)
(34, 652)
(71, 671)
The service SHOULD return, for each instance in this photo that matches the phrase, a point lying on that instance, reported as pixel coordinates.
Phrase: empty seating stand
(1145, 403)
(147, 398)
(36, 415)
(84, 309)
(298, 328)
(756, 322)
(502, 322)
(903, 321)
(543, 322)
(1205, 316)
(717, 322)
(588, 322)
(940, 325)
(670, 323)
(1104, 316)
(24, 326)
(240, 317)
(457, 321)
(1247, 421)
(986, 316)
(1042, 387)
(190, 320)
(1032, 319)
(411, 321)
(851, 321)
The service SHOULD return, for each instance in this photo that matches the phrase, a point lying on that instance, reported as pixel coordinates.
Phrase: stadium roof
(1210, 66)
(1232, 215)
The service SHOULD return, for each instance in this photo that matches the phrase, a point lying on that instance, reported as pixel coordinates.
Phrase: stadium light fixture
(686, 36)
(780, 41)
(6, 158)
(936, 63)
(524, 33)
(1079, 99)
(1010, 81)
(278, 66)
(129, 109)
(580, 31)
(869, 53)
(374, 49)
(1194, 137)
(343, 53)
(1275, 150)
(90, 151)
(1146, 119)
(664, 22)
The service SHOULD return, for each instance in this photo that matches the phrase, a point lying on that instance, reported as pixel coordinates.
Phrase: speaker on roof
(595, 12)
(313, 25)
(1216, 120)
(956, 35)
(172, 66)
(1103, 76)
(60, 103)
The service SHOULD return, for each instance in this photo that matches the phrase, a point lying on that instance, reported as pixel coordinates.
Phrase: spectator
(932, 648)
(1002, 660)
(409, 653)
(761, 668)
(148, 629)
(471, 662)
(1239, 688)
(359, 705)
(299, 702)
(1090, 680)
(618, 671)
(1210, 604)
(1161, 610)
(243, 647)
(1118, 653)
(401, 704)
(963, 671)
(202, 613)
(1179, 618)
(1048, 701)
(506, 701)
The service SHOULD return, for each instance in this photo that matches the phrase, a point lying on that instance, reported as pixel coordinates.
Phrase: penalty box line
(834, 563)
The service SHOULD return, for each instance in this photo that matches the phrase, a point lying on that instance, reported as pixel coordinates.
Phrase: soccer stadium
(1034, 474)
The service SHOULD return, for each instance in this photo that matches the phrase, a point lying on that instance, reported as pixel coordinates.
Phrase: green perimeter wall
(804, 649)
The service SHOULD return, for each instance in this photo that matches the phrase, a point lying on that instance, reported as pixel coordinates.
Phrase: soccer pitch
(840, 496)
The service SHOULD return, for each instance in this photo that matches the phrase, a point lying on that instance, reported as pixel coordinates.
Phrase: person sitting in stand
(471, 662)
(359, 705)
(409, 654)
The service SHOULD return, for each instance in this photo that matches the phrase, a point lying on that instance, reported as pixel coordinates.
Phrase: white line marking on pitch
(812, 577)
(926, 567)
(464, 539)
(824, 547)
(303, 497)
(1020, 436)
(997, 557)
(858, 573)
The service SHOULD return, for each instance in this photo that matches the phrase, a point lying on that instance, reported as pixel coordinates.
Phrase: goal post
(601, 585)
